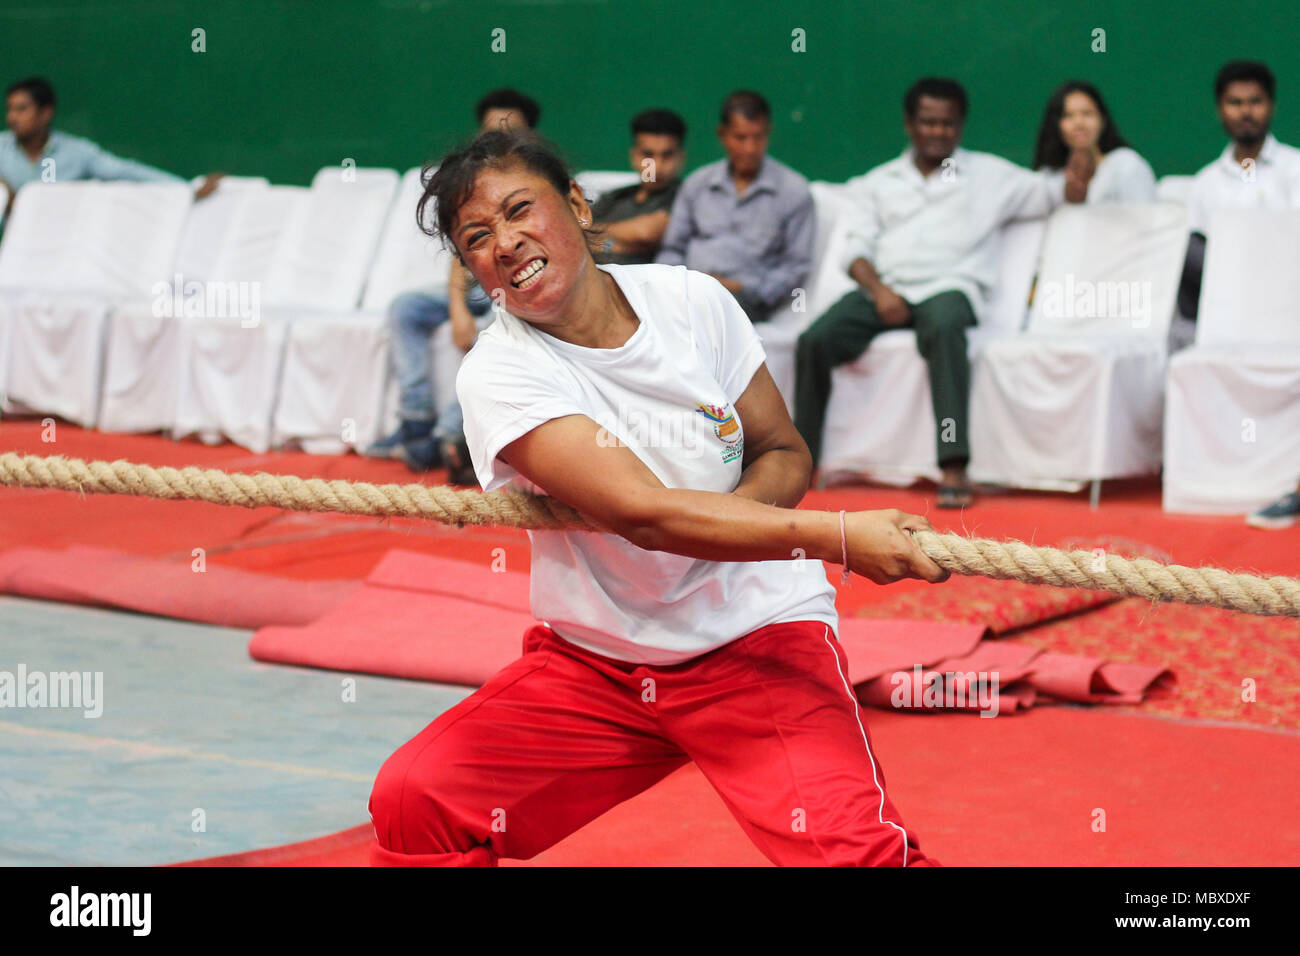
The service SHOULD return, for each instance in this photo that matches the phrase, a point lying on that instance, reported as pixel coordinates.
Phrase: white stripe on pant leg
(880, 813)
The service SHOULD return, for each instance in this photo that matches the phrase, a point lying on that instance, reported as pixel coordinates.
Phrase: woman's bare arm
(778, 465)
(567, 457)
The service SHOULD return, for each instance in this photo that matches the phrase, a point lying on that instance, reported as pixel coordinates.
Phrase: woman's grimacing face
(1080, 121)
(517, 234)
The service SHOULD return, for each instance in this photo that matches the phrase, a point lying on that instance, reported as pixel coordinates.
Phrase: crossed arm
(639, 234)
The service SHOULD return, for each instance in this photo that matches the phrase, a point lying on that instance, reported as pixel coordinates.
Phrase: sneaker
(421, 454)
(411, 429)
(1280, 514)
(455, 455)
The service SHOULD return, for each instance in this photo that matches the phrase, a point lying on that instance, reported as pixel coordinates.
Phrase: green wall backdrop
(286, 87)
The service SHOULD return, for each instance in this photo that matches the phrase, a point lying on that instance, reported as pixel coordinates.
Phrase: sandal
(956, 496)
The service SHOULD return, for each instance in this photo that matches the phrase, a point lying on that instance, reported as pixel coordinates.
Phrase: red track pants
(562, 735)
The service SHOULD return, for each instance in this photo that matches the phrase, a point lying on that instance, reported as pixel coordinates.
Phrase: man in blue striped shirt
(746, 220)
(30, 150)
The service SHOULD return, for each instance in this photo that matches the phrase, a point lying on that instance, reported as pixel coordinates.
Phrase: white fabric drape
(1232, 435)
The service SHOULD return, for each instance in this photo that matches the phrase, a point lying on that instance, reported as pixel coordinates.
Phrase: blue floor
(270, 754)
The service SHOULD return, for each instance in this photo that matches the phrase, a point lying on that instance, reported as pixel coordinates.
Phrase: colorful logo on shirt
(726, 428)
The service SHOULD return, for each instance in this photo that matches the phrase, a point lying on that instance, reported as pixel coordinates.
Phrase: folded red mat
(217, 595)
(436, 619)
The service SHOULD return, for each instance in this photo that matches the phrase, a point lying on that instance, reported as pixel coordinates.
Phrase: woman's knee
(411, 808)
(946, 313)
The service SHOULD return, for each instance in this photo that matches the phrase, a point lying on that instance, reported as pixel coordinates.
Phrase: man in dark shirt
(633, 219)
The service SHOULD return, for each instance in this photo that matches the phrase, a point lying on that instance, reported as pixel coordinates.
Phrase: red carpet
(1019, 792)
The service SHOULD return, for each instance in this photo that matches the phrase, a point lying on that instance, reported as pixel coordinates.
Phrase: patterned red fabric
(1222, 658)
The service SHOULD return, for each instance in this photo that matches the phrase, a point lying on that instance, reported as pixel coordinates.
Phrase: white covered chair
(231, 377)
(408, 259)
(1079, 396)
(1232, 426)
(596, 182)
(1174, 188)
(227, 252)
(72, 251)
(6, 333)
(38, 252)
(208, 222)
(336, 383)
(780, 333)
(6, 321)
(880, 418)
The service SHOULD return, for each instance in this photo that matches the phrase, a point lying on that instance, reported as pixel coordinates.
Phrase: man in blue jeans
(429, 436)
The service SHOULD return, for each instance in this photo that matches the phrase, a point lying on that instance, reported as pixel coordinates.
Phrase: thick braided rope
(1004, 560)
(447, 505)
(1103, 571)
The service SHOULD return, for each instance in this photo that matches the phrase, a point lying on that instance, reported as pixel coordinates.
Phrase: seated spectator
(633, 219)
(430, 436)
(746, 220)
(1254, 171)
(30, 150)
(922, 247)
(1082, 154)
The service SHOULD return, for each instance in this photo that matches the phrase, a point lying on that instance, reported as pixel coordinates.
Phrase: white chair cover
(1080, 395)
(113, 239)
(1232, 431)
(332, 388)
(596, 182)
(780, 333)
(147, 341)
(229, 378)
(118, 243)
(1174, 188)
(318, 269)
(209, 222)
(56, 343)
(328, 244)
(408, 260)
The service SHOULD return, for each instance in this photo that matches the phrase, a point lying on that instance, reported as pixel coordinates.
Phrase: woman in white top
(702, 626)
(1082, 154)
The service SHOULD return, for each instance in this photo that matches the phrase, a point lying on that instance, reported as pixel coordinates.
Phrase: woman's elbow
(644, 522)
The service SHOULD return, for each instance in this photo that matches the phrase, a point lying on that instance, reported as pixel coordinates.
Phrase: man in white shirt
(923, 251)
(1254, 171)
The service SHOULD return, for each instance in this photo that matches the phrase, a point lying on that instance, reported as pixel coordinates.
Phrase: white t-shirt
(669, 394)
(932, 234)
(1271, 182)
(1121, 176)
